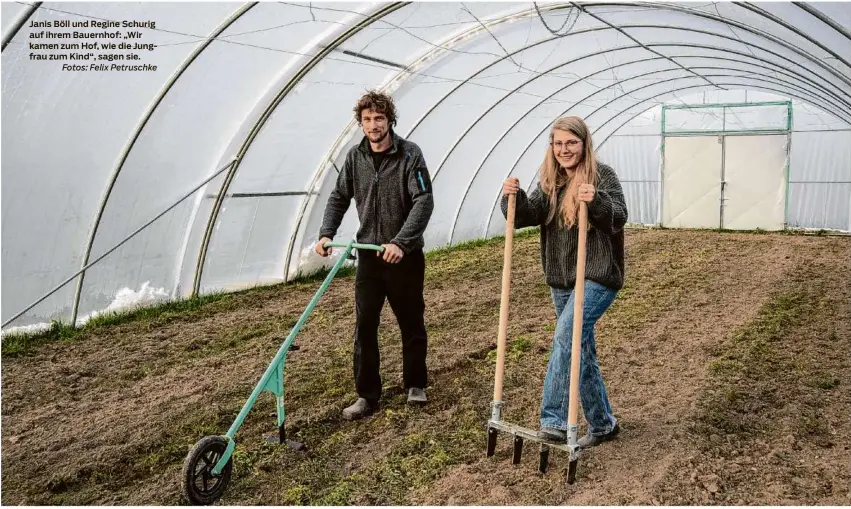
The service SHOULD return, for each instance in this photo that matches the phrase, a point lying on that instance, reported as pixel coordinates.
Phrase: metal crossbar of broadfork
(496, 424)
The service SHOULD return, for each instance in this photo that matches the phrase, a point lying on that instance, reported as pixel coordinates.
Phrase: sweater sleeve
(607, 211)
(420, 190)
(528, 210)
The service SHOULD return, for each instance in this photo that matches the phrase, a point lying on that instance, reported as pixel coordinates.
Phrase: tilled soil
(726, 358)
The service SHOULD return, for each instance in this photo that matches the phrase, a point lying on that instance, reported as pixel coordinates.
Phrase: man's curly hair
(378, 102)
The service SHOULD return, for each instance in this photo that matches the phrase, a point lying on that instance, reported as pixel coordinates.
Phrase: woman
(570, 174)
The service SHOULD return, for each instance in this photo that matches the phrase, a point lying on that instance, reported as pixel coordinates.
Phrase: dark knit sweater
(605, 242)
(394, 201)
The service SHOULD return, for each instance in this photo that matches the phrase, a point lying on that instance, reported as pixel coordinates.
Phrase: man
(388, 178)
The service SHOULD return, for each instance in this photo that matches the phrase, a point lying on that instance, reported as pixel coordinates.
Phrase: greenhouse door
(754, 182)
(690, 182)
(735, 182)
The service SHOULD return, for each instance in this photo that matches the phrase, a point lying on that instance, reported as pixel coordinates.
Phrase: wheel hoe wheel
(200, 485)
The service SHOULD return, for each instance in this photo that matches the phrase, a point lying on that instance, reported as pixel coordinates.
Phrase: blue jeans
(592, 389)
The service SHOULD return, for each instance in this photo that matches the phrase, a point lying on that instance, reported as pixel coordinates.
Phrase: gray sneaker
(360, 408)
(552, 434)
(590, 440)
(416, 396)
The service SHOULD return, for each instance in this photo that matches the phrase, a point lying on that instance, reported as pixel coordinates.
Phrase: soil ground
(726, 356)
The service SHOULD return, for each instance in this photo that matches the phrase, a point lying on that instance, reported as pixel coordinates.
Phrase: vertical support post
(659, 208)
(723, 139)
(788, 162)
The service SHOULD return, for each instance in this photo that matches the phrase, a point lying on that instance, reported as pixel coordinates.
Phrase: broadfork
(496, 424)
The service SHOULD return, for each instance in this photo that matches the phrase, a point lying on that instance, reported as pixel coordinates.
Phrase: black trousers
(402, 285)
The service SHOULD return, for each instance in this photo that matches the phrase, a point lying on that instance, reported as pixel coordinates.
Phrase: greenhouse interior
(206, 166)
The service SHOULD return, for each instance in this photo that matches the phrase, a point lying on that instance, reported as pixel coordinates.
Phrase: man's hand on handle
(392, 253)
(320, 247)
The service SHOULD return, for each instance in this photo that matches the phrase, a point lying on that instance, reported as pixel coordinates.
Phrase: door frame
(722, 136)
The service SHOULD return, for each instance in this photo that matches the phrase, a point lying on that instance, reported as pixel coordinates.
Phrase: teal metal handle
(362, 247)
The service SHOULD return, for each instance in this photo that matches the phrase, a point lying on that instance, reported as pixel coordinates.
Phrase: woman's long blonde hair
(554, 176)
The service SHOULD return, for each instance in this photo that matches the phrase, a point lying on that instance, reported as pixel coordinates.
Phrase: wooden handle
(578, 305)
(503, 301)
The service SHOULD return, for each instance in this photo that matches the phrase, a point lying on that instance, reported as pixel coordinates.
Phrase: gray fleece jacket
(607, 215)
(394, 202)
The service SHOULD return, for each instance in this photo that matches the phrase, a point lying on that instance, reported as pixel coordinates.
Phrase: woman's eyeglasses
(558, 145)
